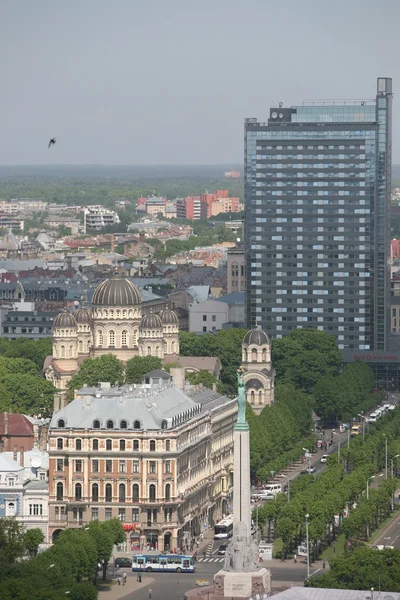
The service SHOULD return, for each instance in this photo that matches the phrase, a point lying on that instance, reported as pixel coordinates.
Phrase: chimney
(5, 423)
(22, 456)
(35, 434)
(15, 453)
(178, 376)
(141, 236)
(43, 438)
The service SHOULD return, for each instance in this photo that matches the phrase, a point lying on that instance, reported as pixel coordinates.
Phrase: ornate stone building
(257, 369)
(115, 326)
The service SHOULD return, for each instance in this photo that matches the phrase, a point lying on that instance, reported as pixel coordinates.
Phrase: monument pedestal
(228, 584)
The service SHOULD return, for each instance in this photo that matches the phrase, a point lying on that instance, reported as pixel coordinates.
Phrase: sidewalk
(114, 591)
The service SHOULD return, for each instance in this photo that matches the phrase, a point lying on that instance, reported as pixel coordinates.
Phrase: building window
(95, 466)
(167, 492)
(135, 492)
(204, 317)
(108, 514)
(42, 476)
(60, 444)
(122, 445)
(136, 444)
(121, 492)
(62, 352)
(111, 338)
(152, 493)
(148, 351)
(110, 424)
(213, 318)
(60, 464)
(100, 338)
(96, 424)
(167, 466)
(108, 444)
(108, 492)
(135, 466)
(95, 514)
(124, 338)
(121, 514)
(61, 423)
(167, 445)
(95, 444)
(205, 329)
(108, 466)
(254, 355)
(78, 445)
(78, 491)
(152, 445)
(35, 509)
(78, 466)
(136, 425)
(11, 509)
(122, 466)
(95, 492)
(152, 466)
(123, 425)
(135, 515)
(60, 491)
(80, 346)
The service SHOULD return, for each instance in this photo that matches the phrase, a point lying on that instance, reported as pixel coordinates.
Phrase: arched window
(136, 444)
(110, 424)
(124, 314)
(123, 425)
(111, 313)
(78, 491)
(152, 493)
(108, 492)
(245, 355)
(95, 492)
(100, 338)
(62, 352)
(124, 338)
(96, 424)
(80, 344)
(264, 355)
(252, 397)
(122, 445)
(61, 423)
(164, 424)
(111, 338)
(78, 444)
(242, 270)
(254, 355)
(168, 492)
(235, 270)
(95, 444)
(60, 444)
(108, 444)
(157, 351)
(118, 314)
(173, 347)
(152, 445)
(260, 397)
(60, 491)
(135, 492)
(106, 314)
(121, 492)
(148, 351)
(136, 425)
(167, 445)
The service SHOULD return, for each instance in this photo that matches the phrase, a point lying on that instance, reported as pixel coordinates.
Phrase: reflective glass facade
(317, 188)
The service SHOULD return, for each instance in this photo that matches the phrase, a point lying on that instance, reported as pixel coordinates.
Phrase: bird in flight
(52, 141)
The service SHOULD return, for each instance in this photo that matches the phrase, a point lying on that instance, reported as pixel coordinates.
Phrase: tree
(11, 540)
(29, 394)
(32, 540)
(138, 366)
(94, 370)
(203, 377)
(104, 541)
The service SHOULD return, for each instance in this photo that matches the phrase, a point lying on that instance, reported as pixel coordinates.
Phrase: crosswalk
(211, 559)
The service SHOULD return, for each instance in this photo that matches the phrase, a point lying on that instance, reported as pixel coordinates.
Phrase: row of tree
(70, 566)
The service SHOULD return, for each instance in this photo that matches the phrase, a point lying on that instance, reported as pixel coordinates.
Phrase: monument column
(241, 472)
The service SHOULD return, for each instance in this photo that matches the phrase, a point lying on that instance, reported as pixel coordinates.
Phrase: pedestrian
(119, 580)
(124, 577)
(150, 592)
(295, 558)
(204, 553)
(324, 563)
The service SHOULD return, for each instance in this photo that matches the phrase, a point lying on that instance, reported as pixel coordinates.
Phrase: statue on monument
(241, 418)
(242, 553)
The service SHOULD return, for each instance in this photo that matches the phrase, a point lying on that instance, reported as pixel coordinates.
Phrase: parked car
(307, 471)
(222, 549)
(123, 562)
(324, 458)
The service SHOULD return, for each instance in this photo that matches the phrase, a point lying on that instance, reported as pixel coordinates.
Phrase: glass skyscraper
(317, 192)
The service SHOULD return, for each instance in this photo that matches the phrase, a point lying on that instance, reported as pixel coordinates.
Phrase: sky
(171, 81)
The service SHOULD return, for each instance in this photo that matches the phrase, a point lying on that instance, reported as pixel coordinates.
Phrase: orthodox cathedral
(115, 325)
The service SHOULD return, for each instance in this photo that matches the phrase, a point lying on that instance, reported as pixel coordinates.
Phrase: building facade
(317, 188)
(157, 457)
(258, 374)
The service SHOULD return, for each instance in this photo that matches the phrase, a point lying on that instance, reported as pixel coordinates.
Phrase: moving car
(324, 458)
(222, 549)
(123, 562)
(307, 471)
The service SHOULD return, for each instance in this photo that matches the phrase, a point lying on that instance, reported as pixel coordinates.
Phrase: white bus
(224, 529)
(172, 563)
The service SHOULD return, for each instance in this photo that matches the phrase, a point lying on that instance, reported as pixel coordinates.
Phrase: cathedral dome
(256, 337)
(64, 320)
(168, 316)
(151, 321)
(83, 315)
(116, 292)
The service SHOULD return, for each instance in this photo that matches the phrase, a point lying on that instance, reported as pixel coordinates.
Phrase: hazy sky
(171, 81)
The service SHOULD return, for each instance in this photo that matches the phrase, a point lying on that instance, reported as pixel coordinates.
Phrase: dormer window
(96, 424)
(136, 425)
(61, 423)
(164, 425)
(110, 424)
(123, 425)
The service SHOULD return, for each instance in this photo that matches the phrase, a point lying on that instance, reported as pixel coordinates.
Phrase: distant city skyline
(171, 83)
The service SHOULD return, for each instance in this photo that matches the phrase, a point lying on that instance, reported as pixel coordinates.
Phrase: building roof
(256, 336)
(116, 291)
(200, 363)
(309, 593)
(8, 464)
(64, 319)
(157, 373)
(83, 315)
(199, 293)
(168, 316)
(151, 321)
(232, 298)
(209, 399)
(18, 425)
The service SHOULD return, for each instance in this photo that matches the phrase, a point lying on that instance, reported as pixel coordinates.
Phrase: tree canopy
(92, 371)
(138, 366)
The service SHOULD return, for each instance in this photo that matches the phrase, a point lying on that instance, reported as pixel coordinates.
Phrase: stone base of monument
(241, 586)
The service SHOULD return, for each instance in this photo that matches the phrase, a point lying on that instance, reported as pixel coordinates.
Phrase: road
(391, 536)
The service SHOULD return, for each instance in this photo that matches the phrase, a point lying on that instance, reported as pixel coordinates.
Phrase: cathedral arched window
(254, 355)
(111, 313)
(124, 314)
(118, 314)
(157, 351)
(71, 352)
(173, 347)
(106, 313)
(100, 338)
(124, 338)
(148, 351)
(252, 397)
(245, 355)
(260, 397)
(264, 355)
(111, 338)
(62, 352)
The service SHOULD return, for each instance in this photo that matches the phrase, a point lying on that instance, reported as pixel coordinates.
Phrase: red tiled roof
(17, 425)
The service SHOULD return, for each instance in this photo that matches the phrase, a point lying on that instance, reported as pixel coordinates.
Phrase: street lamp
(386, 456)
(308, 550)
(364, 421)
(338, 448)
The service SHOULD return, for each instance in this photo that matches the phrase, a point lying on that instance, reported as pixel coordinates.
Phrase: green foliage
(11, 540)
(95, 370)
(203, 377)
(105, 535)
(226, 345)
(138, 366)
(26, 393)
(33, 350)
(32, 540)
(305, 356)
